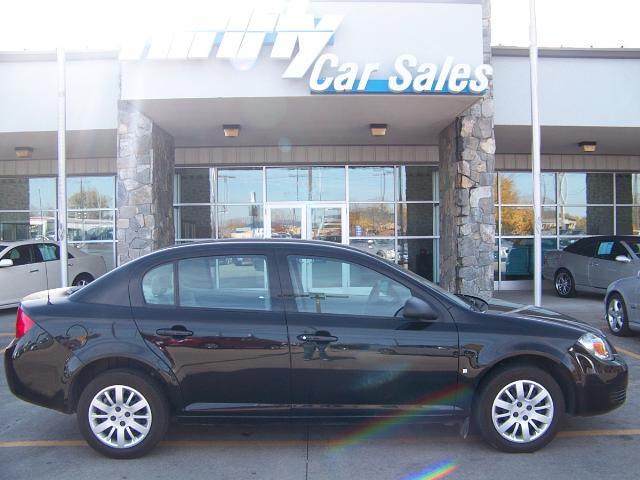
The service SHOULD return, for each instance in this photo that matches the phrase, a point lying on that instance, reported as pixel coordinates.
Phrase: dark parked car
(360, 337)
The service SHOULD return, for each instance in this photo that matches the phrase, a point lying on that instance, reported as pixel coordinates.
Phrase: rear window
(634, 245)
(157, 285)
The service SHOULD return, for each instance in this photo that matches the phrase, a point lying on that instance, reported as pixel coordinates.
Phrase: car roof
(266, 241)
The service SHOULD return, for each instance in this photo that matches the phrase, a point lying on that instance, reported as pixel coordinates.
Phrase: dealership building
(393, 127)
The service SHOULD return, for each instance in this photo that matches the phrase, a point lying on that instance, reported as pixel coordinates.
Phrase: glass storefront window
(328, 184)
(516, 188)
(90, 192)
(384, 248)
(287, 184)
(371, 184)
(590, 220)
(516, 257)
(417, 219)
(192, 185)
(105, 250)
(90, 225)
(195, 222)
(585, 188)
(549, 221)
(628, 188)
(371, 220)
(240, 221)
(517, 220)
(23, 193)
(419, 255)
(242, 185)
(416, 183)
(628, 221)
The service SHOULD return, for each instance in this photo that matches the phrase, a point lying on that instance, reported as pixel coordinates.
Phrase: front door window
(307, 222)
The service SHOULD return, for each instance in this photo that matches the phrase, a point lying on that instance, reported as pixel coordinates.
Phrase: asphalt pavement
(39, 443)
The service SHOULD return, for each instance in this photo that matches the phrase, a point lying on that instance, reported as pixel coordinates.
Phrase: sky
(568, 23)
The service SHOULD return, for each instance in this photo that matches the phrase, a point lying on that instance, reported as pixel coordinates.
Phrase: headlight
(596, 346)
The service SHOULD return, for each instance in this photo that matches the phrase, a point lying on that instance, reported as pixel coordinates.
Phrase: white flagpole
(535, 156)
(62, 167)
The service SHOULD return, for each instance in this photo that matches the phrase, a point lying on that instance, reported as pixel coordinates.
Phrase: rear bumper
(603, 387)
(36, 367)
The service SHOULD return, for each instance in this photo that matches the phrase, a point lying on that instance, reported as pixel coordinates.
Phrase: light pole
(62, 166)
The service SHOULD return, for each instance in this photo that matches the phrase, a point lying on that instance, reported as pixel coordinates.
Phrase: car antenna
(46, 271)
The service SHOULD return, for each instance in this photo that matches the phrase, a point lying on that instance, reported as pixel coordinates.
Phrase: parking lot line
(627, 352)
(621, 432)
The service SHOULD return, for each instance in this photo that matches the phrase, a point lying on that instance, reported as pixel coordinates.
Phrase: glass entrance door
(307, 221)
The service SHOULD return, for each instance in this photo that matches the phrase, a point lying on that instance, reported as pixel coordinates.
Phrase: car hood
(531, 312)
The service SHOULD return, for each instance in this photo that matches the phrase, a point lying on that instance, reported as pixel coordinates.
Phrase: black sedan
(292, 329)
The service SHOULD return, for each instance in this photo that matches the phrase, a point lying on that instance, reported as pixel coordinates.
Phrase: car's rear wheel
(520, 409)
(82, 280)
(617, 318)
(565, 286)
(122, 414)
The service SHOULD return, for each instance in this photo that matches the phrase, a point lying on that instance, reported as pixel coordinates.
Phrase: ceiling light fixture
(378, 129)
(588, 147)
(24, 152)
(231, 130)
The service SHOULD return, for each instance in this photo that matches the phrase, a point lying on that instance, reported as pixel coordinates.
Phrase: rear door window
(158, 285)
(225, 281)
(48, 252)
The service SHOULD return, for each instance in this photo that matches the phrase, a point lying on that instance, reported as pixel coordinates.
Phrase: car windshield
(458, 300)
(2, 247)
(634, 245)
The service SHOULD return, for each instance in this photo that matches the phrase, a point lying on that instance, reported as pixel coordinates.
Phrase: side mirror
(623, 259)
(6, 262)
(416, 309)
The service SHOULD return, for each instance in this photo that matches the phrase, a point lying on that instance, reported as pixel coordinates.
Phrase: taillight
(23, 323)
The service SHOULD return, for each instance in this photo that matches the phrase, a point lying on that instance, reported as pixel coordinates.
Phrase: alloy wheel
(563, 284)
(119, 416)
(615, 315)
(522, 411)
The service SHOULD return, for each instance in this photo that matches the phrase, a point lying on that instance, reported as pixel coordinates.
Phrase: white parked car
(31, 266)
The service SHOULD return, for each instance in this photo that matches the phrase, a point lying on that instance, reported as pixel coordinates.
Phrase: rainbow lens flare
(434, 472)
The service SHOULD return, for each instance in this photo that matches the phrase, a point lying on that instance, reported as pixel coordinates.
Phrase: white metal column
(62, 167)
(535, 156)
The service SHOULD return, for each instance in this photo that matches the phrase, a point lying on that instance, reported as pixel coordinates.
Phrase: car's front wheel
(82, 280)
(565, 286)
(519, 409)
(617, 315)
(122, 414)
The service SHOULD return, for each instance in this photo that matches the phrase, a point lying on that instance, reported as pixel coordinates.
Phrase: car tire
(82, 280)
(507, 402)
(138, 429)
(564, 284)
(617, 317)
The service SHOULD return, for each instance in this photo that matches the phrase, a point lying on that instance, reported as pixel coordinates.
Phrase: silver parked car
(591, 264)
(622, 305)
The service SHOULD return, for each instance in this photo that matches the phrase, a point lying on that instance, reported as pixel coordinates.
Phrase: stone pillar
(145, 166)
(467, 223)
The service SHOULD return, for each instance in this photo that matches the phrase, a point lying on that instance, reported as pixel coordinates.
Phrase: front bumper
(37, 369)
(603, 386)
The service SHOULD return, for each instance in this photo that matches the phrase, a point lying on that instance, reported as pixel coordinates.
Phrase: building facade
(446, 192)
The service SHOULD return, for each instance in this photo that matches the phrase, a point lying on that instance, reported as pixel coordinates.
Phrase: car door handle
(309, 337)
(34, 271)
(173, 332)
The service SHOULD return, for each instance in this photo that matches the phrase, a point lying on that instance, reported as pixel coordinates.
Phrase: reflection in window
(416, 183)
(419, 256)
(371, 220)
(628, 188)
(516, 256)
(90, 192)
(323, 285)
(157, 285)
(417, 219)
(628, 221)
(227, 282)
(585, 188)
(192, 185)
(371, 184)
(328, 183)
(195, 222)
(90, 225)
(381, 247)
(305, 183)
(240, 221)
(517, 220)
(242, 185)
